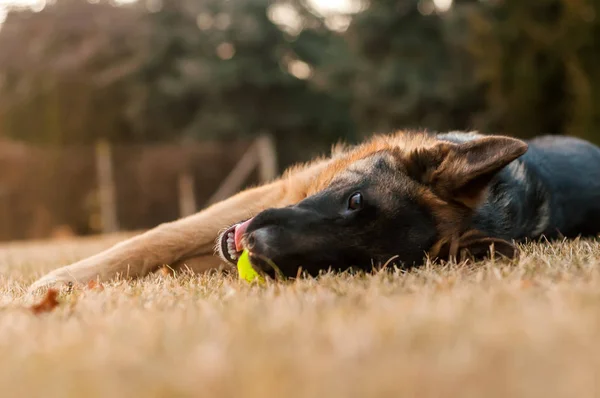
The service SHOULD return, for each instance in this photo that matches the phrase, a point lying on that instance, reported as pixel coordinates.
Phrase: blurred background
(119, 115)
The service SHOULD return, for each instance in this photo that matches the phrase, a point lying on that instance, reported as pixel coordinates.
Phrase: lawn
(494, 329)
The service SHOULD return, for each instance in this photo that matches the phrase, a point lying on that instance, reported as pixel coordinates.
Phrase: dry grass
(496, 329)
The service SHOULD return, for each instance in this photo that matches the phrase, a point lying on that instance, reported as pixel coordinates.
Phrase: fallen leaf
(92, 284)
(48, 303)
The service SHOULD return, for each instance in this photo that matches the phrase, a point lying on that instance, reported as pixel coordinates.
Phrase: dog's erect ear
(461, 172)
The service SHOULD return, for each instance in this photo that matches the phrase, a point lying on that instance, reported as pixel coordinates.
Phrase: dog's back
(570, 170)
(552, 190)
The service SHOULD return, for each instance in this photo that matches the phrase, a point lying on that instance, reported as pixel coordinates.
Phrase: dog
(404, 197)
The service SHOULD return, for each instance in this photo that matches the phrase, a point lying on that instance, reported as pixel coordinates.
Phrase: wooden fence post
(5, 215)
(267, 158)
(106, 187)
(187, 198)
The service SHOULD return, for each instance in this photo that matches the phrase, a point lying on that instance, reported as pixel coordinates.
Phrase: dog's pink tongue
(240, 230)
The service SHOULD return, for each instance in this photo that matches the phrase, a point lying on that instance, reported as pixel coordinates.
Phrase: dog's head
(381, 202)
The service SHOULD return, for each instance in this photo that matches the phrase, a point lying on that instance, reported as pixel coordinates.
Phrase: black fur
(321, 231)
(559, 194)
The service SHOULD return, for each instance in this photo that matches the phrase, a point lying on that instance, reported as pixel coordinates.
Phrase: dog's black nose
(263, 246)
(260, 241)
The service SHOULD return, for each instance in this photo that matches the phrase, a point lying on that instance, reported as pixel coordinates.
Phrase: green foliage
(66, 72)
(221, 69)
(193, 69)
(538, 62)
(409, 67)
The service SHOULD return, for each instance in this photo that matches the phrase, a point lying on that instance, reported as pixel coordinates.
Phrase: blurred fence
(48, 192)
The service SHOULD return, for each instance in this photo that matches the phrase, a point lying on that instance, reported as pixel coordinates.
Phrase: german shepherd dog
(399, 197)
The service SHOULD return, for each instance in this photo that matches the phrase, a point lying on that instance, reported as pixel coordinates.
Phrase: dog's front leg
(187, 238)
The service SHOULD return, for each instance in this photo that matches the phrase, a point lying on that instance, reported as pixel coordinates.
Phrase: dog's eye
(355, 202)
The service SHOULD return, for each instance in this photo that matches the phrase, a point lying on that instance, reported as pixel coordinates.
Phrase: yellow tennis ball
(246, 271)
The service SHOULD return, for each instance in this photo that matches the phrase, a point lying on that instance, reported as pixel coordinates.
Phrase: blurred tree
(538, 63)
(168, 70)
(175, 69)
(65, 71)
(226, 69)
(409, 68)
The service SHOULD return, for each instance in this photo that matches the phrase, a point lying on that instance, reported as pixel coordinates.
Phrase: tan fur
(189, 242)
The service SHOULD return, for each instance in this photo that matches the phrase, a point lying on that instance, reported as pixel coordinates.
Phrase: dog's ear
(475, 245)
(462, 172)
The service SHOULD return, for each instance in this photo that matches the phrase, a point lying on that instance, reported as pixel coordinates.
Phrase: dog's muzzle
(231, 242)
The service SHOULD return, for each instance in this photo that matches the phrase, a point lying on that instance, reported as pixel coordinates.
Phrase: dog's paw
(58, 279)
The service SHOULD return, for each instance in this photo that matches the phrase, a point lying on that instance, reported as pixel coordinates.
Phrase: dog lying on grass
(403, 196)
